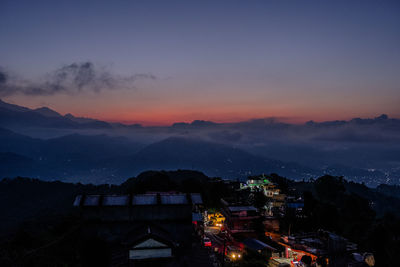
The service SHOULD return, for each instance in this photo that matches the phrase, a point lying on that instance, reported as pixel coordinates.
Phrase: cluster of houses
(244, 222)
(166, 229)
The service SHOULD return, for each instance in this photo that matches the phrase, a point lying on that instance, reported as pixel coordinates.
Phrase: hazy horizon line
(295, 120)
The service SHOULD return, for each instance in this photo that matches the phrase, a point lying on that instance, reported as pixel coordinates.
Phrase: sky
(159, 62)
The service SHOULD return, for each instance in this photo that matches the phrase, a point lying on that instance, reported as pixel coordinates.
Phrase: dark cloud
(70, 79)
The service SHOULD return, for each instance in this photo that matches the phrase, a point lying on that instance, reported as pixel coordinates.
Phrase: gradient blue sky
(216, 60)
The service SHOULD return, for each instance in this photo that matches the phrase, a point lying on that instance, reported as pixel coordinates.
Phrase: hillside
(39, 222)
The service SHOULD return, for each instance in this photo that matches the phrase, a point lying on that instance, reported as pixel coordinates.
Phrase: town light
(235, 256)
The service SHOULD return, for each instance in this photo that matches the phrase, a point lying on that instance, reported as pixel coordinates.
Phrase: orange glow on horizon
(169, 118)
(165, 113)
(166, 118)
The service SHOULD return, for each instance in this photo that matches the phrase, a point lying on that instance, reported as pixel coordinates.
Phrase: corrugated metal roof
(196, 216)
(115, 200)
(242, 208)
(174, 199)
(144, 200)
(91, 200)
(77, 200)
(256, 244)
(196, 198)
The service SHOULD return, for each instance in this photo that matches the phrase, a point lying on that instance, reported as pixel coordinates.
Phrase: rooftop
(241, 208)
(136, 200)
(257, 244)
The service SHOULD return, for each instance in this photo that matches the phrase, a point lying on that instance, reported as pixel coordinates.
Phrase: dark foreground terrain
(39, 225)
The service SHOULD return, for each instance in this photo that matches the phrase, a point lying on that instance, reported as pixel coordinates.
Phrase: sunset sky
(169, 61)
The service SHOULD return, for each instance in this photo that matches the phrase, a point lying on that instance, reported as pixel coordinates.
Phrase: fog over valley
(52, 146)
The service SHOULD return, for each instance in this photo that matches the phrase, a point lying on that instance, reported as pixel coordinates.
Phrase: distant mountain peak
(202, 123)
(45, 111)
(195, 123)
(382, 117)
(69, 116)
(12, 107)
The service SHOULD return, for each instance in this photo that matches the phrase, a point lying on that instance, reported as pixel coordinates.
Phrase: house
(256, 184)
(149, 244)
(141, 227)
(239, 218)
(320, 244)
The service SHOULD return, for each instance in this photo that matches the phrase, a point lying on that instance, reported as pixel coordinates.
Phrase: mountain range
(102, 158)
(16, 116)
(45, 144)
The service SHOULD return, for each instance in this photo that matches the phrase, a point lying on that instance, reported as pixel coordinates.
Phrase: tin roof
(242, 208)
(144, 199)
(257, 244)
(140, 199)
(92, 200)
(196, 216)
(77, 200)
(115, 200)
(196, 198)
(174, 199)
